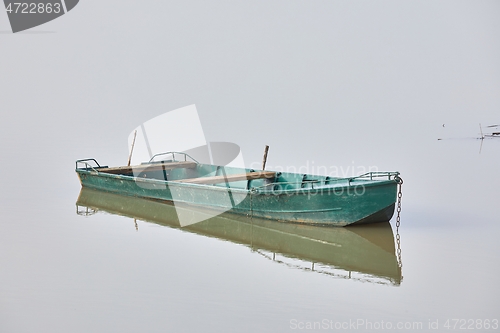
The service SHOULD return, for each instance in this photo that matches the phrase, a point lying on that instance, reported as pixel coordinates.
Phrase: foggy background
(335, 83)
(343, 84)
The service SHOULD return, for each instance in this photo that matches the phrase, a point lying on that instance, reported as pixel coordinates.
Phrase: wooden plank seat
(148, 167)
(229, 178)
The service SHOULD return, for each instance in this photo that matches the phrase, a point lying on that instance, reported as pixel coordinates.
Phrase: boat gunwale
(352, 182)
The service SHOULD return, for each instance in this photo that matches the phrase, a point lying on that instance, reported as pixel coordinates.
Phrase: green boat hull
(288, 197)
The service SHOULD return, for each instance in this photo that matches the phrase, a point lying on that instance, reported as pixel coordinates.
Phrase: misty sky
(329, 83)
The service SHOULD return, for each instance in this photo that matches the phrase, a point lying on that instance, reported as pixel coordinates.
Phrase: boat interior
(188, 170)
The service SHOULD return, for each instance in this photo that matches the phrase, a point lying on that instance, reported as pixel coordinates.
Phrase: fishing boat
(283, 196)
(364, 253)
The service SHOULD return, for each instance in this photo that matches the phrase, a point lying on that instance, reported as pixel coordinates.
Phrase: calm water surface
(84, 261)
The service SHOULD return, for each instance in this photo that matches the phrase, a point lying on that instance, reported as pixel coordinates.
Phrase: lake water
(358, 95)
(106, 272)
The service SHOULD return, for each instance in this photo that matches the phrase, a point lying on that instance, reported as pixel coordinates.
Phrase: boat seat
(148, 167)
(229, 178)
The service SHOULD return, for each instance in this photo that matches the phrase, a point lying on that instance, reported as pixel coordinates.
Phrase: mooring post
(131, 149)
(265, 157)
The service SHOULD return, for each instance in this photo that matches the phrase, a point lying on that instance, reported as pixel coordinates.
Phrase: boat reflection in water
(364, 253)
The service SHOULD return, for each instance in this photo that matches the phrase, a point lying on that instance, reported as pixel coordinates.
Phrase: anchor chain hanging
(398, 221)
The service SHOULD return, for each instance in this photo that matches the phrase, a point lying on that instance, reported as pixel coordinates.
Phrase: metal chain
(398, 222)
(400, 195)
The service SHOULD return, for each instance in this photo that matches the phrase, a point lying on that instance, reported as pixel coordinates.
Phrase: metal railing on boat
(88, 166)
(377, 174)
(97, 166)
(327, 180)
(173, 157)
